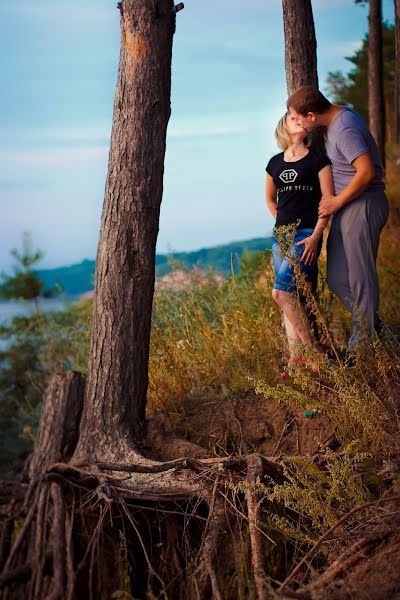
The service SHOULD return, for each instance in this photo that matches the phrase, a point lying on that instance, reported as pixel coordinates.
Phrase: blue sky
(58, 73)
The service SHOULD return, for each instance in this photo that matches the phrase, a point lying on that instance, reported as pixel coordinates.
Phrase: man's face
(308, 123)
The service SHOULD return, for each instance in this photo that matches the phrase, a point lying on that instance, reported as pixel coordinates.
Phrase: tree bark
(301, 69)
(115, 400)
(59, 423)
(396, 111)
(300, 44)
(254, 474)
(301, 53)
(376, 102)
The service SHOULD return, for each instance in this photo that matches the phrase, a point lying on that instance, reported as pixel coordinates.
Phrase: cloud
(341, 49)
(349, 48)
(98, 133)
(176, 133)
(46, 163)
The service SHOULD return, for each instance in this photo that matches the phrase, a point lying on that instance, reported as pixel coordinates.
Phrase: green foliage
(209, 339)
(79, 278)
(315, 496)
(21, 381)
(251, 263)
(24, 284)
(352, 89)
(361, 402)
(34, 347)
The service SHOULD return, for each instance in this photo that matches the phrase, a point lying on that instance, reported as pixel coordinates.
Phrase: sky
(59, 72)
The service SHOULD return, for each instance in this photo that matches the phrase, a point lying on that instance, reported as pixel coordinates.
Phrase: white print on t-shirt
(296, 188)
(288, 176)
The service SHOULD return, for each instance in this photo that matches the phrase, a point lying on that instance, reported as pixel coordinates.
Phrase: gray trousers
(352, 249)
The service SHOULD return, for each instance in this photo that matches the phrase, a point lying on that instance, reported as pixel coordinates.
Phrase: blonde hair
(282, 135)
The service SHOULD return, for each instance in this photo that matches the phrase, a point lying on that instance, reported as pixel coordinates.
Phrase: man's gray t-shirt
(346, 139)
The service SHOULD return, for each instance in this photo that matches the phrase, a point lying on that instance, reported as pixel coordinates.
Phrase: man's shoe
(346, 357)
(349, 360)
(379, 326)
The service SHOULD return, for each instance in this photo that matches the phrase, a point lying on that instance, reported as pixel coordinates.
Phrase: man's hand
(328, 205)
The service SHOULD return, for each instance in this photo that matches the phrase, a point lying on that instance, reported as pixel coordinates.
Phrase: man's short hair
(308, 99)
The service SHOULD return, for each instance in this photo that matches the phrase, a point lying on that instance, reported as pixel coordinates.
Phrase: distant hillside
(79, 278)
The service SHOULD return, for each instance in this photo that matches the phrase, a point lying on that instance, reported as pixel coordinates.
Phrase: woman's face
(292, 125)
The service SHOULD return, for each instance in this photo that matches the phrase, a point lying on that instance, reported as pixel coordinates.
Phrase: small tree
(24, 283)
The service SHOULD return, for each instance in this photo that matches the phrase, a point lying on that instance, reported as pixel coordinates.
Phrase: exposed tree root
(55, 507)
(173, 517)
(254, 473)
(204, 574)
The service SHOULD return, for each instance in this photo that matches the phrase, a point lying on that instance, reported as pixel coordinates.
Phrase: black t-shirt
(298, 188)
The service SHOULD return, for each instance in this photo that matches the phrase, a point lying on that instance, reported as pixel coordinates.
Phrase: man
(359, 207)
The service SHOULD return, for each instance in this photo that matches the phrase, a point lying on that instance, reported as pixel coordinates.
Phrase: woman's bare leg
(293, 338)
(295, 314)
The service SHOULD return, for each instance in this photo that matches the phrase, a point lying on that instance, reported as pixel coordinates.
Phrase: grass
(220, 341)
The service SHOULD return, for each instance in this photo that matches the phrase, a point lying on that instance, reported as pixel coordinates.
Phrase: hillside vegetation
(216, 358)
(78, 279)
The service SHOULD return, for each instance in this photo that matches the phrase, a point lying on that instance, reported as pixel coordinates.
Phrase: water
(12, 308)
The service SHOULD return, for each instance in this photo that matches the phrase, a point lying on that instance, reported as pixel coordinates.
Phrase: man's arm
(311, 243)
(365, 172)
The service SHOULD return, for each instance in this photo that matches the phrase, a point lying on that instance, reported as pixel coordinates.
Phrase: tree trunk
(376, 103)
(300, 44)
(301, 53)
(115, 400)
(59, 423)
(396, 111)
(301, 69)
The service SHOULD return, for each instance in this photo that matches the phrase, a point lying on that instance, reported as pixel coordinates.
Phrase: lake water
(12, 308)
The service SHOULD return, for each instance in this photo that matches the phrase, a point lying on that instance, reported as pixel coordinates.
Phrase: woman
(296, 180)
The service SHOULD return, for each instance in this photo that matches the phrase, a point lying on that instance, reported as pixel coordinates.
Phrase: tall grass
(210, 340)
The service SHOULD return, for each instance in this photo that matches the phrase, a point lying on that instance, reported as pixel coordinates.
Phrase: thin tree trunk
(396, 111)
(115, 400)
(376, 104)
(300, 44)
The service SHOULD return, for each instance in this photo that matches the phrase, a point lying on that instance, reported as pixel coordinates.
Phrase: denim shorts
(284, 271)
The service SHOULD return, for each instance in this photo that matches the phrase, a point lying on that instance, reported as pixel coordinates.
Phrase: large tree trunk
(300, 44)
(115, 400)
(376, 102)
(301, 69)
(396, 111)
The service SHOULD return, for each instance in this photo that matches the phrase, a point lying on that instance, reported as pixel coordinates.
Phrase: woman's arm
(311, 243)
(271, 195)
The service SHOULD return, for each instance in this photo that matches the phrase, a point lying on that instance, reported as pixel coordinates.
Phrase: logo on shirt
(288, 176)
